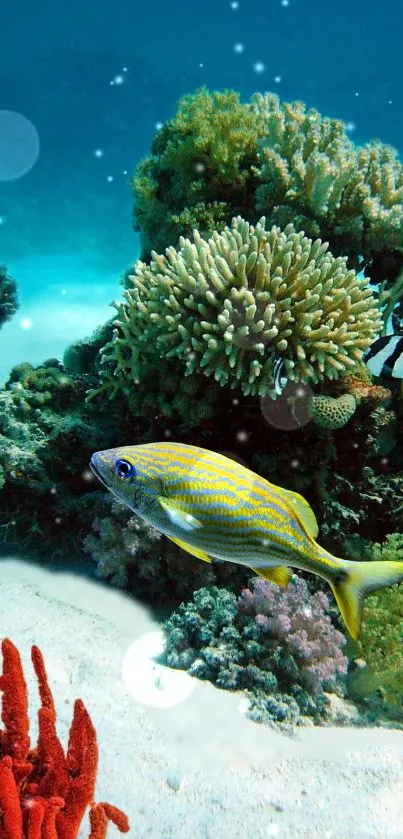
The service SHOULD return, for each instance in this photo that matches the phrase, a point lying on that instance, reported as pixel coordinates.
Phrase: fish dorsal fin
(197, 552)
(302, 510)
(280, 575)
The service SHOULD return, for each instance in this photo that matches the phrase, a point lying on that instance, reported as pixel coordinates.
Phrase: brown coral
(43, 792)
(366, 392)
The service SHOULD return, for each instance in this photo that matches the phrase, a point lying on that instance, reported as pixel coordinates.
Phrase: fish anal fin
(280, 575)
(302, 510)
(197, 552)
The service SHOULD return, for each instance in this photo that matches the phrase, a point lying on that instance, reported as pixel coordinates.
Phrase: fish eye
(124, 468)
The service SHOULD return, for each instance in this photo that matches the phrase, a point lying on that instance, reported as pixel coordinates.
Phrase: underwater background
(230, 178)
(66, 231)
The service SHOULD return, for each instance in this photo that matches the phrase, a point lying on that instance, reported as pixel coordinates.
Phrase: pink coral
(297, 620)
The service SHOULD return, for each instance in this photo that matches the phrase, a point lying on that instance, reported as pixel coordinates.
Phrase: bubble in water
(19, 145)
(291, 410)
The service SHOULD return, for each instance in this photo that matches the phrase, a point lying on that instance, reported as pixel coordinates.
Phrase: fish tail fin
(354, 580)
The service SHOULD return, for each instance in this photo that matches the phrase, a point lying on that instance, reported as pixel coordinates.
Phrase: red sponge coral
(43, 791)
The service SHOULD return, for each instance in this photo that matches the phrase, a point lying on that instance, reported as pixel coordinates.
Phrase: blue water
(95, 78)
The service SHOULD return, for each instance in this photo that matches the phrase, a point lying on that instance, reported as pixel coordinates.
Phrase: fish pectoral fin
(198, 552)
(179, 517)
(302, 510)
(280, 575)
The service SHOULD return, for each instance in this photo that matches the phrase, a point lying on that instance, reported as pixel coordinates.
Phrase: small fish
(279, 375)
(214, 507)
(385, 356)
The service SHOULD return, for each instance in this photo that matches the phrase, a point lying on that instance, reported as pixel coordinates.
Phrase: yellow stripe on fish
(214, 507)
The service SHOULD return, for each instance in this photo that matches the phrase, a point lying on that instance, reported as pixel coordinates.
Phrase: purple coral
(297, 622)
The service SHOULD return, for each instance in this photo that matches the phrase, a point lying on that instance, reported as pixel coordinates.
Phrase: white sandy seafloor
(197, 769)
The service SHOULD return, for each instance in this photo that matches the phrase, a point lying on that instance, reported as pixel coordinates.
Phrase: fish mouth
(97, 473)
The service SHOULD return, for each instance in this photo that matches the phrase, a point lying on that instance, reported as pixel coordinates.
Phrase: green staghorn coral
(199, 173)
(228, 305)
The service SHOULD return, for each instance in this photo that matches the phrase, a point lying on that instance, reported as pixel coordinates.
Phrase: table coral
(43, 791)
(229, 305)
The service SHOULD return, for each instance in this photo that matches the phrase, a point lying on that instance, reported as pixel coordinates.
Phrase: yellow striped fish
(214, 507)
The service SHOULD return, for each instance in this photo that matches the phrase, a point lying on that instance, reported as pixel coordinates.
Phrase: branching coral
(295, 623)
(312, 173)
(8, 296)
(278, 645)
(200, 171)
(43, 792)
(229, 304)
(218, 157)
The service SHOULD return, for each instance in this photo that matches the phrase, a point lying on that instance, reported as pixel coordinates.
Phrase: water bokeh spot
(291, 410)
(19, 145)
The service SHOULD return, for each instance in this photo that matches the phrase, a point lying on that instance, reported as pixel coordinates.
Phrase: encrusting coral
(43, 791)
(333, 412)
(229, 305)
(279, 645)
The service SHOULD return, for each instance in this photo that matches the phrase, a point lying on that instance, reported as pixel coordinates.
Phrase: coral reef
(380, 644)
(229, 305)
(218, 157)
(199, 173)
(156, 386)
(135, 556)
(47, 435)
(82, 357)
(278, 645)
(312, 174)
(332, 412)
(44, 792)
(8, 296)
